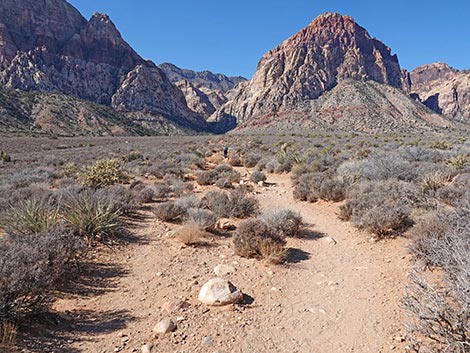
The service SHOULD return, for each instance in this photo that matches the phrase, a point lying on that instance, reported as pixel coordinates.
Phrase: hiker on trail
(225, 151)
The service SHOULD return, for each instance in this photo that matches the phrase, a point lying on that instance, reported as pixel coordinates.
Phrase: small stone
(174, 306)
(329, 240)
(146, 348)
(261, 183)
(219, 291)
(207, 341)
(223, 270)
(124, 339)
(225, 224)
(165, 326)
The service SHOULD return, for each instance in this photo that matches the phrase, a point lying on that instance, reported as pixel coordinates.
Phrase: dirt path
(341, 297)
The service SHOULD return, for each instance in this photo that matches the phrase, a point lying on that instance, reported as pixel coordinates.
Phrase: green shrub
(104, 172)
(92, 217)
(5, 157)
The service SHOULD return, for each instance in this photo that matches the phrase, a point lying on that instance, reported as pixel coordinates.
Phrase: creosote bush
(314, 186)
(234, 204)
(104, 172)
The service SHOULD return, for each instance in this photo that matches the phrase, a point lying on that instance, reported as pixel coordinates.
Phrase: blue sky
(231, 36)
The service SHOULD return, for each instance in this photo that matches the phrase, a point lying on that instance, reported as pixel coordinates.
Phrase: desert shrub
(456, 191)
(190, 234)
(104, 172)
(272, 251)
(442, 306)
(30, 266)
(8, 332)
(208, 177)
(168, 211)
(204, 219)
(178, 187)
(28, 176)
(381, 207)
(457, 162)
(255, 239)
(379, 166)
(120, 198)
(161, 191)
(145, 195)
(257, 176)
(132, 156)
(91, 216)
(250, 159)
(440, 145)
(434, 181)
(32, 216)
(5, 157)
(313, 186)
(234, 204)
(224, 183)
(243, 205)
(69, 170)
(273, 166)
(188, 201)
(218, 202)
(234, 160)
(283, 222)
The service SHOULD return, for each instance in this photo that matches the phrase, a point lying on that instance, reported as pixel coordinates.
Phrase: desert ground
(338, 287)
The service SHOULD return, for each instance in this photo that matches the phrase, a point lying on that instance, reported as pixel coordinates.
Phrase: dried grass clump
(190, 234)
(104, 172)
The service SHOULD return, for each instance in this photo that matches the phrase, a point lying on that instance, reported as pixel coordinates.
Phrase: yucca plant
(457, 162)
(31, 216)
(91, 217)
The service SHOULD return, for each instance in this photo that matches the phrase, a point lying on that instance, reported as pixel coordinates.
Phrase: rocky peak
(430, 72)
(28, 24)
(330, 49)
(99, 41)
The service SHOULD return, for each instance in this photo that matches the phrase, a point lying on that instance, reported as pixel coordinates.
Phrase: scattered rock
(146, 348)
(219, 291)
(174, 306)
(223, 270)
(165, 326)
(207, 341)
(329, 240)
(225, 224)
(261, 183)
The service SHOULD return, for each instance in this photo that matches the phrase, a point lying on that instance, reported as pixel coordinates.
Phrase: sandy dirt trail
(340, 291)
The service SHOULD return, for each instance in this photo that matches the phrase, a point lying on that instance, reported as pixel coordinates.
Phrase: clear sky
(231, 36)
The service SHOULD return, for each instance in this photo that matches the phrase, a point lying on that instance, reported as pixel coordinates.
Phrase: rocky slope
(332, 49)
(40, 113)
(48, 46)
(443, 89)
(206, 79)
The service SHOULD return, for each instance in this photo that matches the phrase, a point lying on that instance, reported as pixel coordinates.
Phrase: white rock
(223, 270)
(329, 240)
(219, 291)
(146, 348)
(165, 326)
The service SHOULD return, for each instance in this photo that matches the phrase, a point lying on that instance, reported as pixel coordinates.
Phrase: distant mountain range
(65, 75)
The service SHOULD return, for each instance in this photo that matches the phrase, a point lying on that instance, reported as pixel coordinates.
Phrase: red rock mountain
(48, 46)
(443, 89)
(292, 77)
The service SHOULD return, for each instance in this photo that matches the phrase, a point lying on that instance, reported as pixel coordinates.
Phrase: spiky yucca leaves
(104, 172)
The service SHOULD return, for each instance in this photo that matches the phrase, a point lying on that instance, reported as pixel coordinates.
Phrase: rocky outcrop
(443, 89)
(203, 101)
(200, 79)
(48, 46)
(330, 50)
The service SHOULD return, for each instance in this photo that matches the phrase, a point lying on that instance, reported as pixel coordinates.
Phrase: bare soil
(339, 291)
